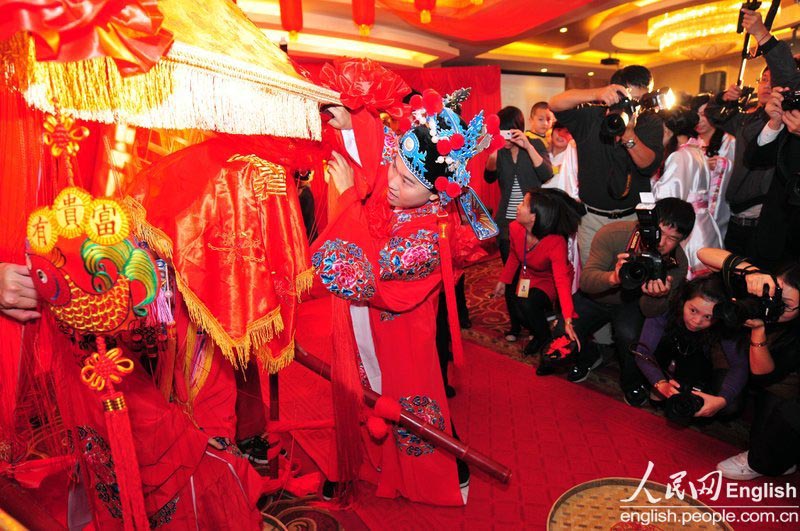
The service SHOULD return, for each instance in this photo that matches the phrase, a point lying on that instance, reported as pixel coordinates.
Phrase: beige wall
(685, 77)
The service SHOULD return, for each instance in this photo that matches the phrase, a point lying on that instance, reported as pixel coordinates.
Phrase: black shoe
(580, 372)
(534, 347)
(329, 490)
(463, 473)
(449, 391)
(637, 397)
(544, 369)
(255, 449)
(465, 323)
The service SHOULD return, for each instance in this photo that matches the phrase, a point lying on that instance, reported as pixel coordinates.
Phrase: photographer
(676, 355)
(603, 299)
(774, 352)
(612, 171)
(520, 166)
(749, 184)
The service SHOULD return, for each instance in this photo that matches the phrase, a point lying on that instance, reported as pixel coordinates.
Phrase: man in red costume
(386, 255)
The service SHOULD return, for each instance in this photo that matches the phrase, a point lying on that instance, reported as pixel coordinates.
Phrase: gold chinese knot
(269, 179)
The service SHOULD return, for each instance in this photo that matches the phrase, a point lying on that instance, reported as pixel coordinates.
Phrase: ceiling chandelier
(701, 32)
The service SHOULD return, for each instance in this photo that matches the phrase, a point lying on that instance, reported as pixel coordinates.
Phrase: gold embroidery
(236, 247)
(270, 178)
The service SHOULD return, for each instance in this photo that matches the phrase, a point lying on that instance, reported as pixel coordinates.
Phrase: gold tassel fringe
(304, 282)
(274, 365)
(189, 88)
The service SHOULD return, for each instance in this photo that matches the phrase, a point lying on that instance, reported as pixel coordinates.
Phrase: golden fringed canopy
(221, 74)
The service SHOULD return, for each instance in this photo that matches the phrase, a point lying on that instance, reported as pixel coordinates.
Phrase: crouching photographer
(771, 305)
(632, 268)
(679, 354)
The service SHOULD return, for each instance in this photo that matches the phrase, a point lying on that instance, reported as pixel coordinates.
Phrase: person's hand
(18, 298)
(711, 404)
(340, 172)
(519, 138)
(757, 281)
(657, 288)
(614, 275)
(610, 94)
(792, 121)
(712, 162)
(754, 323)
(754, 25)
(773, 108)
(667, 388)
(499, 290)
(570, 331)
(733, 93)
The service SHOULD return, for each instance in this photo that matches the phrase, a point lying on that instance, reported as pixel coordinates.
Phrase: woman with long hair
(719, 148)
(538, 269)
(676, 351)
(521, 165)
(685, 176)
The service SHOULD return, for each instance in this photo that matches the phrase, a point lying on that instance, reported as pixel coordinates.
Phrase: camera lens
(632, 274)
(614, 124)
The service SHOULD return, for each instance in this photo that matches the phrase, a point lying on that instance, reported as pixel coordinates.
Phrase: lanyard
(525, 253)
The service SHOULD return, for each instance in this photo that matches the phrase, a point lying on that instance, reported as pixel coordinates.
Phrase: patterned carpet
(490, 320)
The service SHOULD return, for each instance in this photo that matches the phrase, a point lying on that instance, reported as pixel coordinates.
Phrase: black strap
(744, 205)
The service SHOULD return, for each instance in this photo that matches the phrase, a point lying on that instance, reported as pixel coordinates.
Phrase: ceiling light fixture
(699, 33)
(543, 70)
(590, 74)
(563, 30)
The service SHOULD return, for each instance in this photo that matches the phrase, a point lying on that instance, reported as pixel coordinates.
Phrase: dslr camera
(742, 305)
(619, 114)
(644, 261)
(791, 100)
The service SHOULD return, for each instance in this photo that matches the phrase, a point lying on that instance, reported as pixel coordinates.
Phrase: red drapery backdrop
(485, 96)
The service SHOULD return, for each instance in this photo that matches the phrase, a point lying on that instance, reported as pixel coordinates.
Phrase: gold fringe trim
(189, 88)
(274, 365)
(235, 350)
(303, 282)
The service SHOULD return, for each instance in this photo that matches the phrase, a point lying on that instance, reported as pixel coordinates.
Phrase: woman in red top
(537, 265)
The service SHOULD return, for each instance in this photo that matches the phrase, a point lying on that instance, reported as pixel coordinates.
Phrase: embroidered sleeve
(344, 270)
(411, 258)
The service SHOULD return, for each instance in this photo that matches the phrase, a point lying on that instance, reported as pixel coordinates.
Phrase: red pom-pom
(443, 146)
(432, 101)
(453, 190)
(404, 124)
(497, 142)
(457, 141)
(416, 102)
(377, 428)
(492, 121)
(441, 184)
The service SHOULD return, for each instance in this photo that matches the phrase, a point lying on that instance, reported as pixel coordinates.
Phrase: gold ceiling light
(701, 32)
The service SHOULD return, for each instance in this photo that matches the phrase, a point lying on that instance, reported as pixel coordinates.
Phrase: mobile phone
(505, 133)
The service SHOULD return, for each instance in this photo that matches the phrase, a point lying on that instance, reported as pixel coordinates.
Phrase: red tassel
(448, 279)
(126, 465)
(348, 395)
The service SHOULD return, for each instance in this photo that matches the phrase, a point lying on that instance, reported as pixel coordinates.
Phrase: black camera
(619, 114)
(644, 261)
(735, 311)
(791, 100)
(742, 305)
(681, 407)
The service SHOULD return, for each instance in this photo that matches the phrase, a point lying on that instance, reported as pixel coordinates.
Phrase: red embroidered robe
(395, 270)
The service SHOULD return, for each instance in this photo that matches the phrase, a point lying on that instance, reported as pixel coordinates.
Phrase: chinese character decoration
(95, 280)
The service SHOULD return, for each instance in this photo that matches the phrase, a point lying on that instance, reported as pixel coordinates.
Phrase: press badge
(523, 286)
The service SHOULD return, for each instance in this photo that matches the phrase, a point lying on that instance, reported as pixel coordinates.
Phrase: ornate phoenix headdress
(437, 150)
